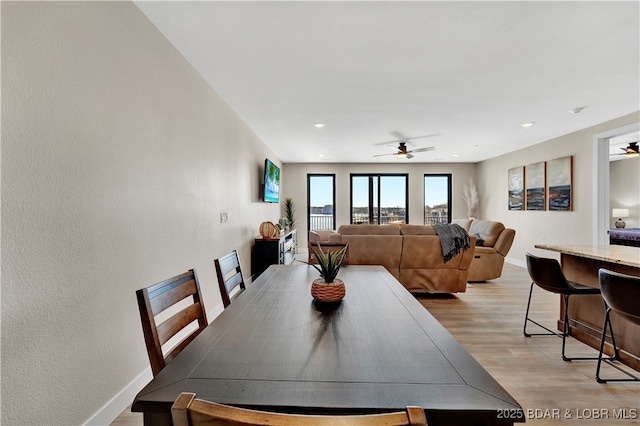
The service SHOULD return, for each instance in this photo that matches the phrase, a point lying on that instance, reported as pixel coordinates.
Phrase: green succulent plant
(329, 263)
(289, 212)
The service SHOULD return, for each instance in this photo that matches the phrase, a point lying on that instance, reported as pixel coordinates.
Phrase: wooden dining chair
(162, 298)
(189, 411)
(230, 279)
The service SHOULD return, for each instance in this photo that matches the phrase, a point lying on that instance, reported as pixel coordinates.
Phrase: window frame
(449, 177)
(372, 197)
(333, 183)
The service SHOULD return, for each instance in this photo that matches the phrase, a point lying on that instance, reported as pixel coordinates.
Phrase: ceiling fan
(632, 149)
(401, 150)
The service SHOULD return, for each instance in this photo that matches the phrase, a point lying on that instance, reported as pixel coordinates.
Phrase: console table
(274, 251)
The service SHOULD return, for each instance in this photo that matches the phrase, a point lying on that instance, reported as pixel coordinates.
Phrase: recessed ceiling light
(455, 155)
(529, 124)
(319, 125)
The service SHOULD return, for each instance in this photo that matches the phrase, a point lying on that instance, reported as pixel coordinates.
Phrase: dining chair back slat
(230, 277)
(159, 301)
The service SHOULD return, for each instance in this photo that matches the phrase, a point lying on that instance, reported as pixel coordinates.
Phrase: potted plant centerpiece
(327, 288)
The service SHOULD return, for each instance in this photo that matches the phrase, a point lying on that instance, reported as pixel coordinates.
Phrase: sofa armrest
(504, 241)
(320, 236)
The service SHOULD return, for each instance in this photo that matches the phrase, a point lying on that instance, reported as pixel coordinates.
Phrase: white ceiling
(466, 73)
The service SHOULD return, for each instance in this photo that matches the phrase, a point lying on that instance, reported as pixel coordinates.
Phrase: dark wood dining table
(379, 350)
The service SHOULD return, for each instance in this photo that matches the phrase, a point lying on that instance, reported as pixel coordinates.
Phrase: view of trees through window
(379, 199)
(321, 200)
(437, 199)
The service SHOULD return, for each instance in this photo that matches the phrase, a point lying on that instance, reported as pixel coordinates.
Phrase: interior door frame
(601, 181)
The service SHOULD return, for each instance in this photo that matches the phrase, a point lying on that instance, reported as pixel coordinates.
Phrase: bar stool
(621, 294)
(547, 274)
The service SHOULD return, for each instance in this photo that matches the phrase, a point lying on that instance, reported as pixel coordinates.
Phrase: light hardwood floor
(487, 320)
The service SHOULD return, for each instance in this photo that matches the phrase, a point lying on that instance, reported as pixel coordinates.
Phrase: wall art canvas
(516, 188)
(559, 183)
(534, 186)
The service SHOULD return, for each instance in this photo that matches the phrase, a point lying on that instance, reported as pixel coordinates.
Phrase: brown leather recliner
(493, 241)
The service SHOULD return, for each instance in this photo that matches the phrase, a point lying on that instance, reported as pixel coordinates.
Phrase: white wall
(117, 159)
(294, 183)
(625, 189)
(546, 227)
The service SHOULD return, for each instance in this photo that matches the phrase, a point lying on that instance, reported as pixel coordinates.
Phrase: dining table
(378, 350)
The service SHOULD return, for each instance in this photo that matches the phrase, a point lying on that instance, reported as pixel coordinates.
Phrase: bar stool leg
(527, 320)
(566, 328)
(607, 324)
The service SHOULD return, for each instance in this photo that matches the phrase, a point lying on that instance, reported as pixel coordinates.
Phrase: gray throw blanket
(453, 238)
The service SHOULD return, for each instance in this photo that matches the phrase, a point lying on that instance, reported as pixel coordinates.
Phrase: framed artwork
(516, 188)
(535, 186)
(559, 183)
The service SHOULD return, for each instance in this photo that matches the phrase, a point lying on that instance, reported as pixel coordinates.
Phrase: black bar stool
(547, 274)
(621, 294)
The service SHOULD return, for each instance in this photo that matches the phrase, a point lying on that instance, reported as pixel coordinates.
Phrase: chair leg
(527, 320)
(566, 329)
(607, 324)
(567, 332)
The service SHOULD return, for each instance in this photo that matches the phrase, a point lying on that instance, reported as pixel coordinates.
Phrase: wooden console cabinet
(273, 251)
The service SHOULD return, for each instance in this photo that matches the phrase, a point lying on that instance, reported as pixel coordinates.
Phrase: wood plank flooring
(487, 320)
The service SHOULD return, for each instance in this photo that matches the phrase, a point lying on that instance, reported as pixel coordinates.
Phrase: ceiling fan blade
(382, 155)
(402, 138)
(398, 135)
(428, 148)
(409, 155)
(421, 137)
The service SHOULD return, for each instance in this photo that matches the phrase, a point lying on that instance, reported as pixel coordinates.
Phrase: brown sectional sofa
(411, 253)
(494, 241)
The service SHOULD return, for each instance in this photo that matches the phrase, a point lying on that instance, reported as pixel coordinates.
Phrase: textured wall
(117, 159)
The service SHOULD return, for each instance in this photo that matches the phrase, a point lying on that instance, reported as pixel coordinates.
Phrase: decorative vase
(269, 230)
(328, 292)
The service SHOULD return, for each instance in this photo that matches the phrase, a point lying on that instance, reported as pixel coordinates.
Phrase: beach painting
(516, 188)
(535, 186)
(559, 185)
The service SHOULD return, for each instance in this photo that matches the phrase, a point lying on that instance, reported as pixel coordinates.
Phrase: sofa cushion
(320, 235)
(465, 223)
(384, 250)
(486, 230)
(369, 230)
(417, 230)
(425, 252)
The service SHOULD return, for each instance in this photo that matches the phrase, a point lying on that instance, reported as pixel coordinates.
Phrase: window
(321, 199)
(379, 199)
(437, 199)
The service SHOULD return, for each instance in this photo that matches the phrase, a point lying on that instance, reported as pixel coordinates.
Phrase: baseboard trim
(515, 262)
(112, 409)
